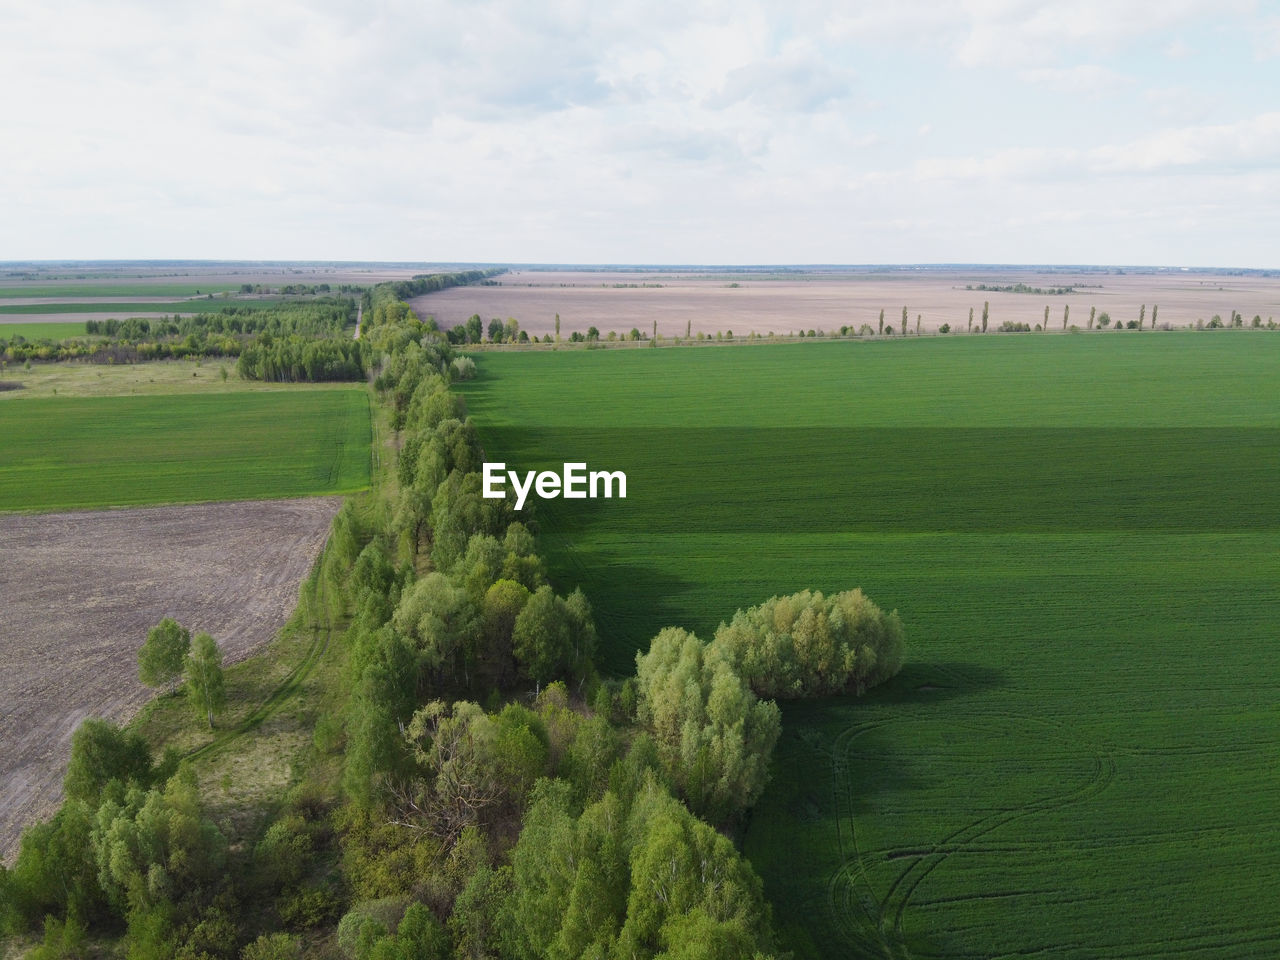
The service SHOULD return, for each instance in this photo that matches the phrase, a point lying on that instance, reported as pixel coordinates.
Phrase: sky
(981, 131)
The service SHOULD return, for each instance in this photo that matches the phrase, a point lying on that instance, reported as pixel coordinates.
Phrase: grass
(263, 741)
(65, 453)
(43, 331)
(1078, 759)
(123, 310)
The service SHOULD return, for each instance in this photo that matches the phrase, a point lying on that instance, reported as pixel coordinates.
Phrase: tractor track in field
(1100, 778)
(883, 931)
(291, 684)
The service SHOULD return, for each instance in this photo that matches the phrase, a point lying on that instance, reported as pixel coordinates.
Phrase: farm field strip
(42, 331)
(127, 309)
(170, 377)
(100, 290)
(64, 453)
(711, 302)
(1086, 562)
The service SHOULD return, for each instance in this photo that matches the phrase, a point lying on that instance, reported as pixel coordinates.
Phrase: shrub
(810, 645)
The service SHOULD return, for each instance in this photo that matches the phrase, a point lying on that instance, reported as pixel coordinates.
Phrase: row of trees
(498, 797)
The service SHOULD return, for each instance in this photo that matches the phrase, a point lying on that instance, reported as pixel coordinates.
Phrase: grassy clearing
(42, 331)
(1078, 757)
(66, 453)
(264, 741)
(143, 379)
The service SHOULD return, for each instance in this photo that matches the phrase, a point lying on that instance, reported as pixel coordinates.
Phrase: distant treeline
(1022, 288)
(301, 289)
(432, 282)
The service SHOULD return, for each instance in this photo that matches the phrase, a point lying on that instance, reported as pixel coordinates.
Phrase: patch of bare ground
(81, 590)
(829, 299)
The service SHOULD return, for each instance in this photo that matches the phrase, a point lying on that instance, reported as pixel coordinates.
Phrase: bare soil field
(81, 590)
(829, 299)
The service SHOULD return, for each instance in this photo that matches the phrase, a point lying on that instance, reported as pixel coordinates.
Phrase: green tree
(986, 309)
(557, 328)
(542, 637)
(715, 737)
(1092, 312)
(1066, 312)
(443, 622)
(904, 321)
(102, 752)
(1155, 308)
(1142, 316)
(202, 669)
(882, 321)
(970, 320)
(503, 602)
(811, 645)
(160, 659)
(156, 848)
(475, 329)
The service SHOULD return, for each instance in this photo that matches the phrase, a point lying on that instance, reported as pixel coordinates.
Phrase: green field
(1081, 536)
(115, 290)
(65, 453)
(136, 309)
(42, 331)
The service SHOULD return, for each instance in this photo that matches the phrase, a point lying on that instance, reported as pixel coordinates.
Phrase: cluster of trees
(297, 359)
(225, 333)
(170, 654)
(131, 848)
(811, 645)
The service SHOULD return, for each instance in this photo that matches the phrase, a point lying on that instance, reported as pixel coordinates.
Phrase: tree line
(491, 794)
(225, 333)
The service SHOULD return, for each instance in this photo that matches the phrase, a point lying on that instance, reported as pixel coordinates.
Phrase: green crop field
(54, 290)
(61, 453)
(1082, 535)
(135, 309)
(42, 331)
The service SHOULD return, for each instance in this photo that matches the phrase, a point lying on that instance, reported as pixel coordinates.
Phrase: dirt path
(359, 317)
(80, 591)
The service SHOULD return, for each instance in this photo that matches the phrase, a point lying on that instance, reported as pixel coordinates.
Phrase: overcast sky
(1012, 131)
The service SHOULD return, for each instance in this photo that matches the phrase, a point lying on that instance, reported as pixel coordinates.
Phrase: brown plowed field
(828, 300)
(80, 590)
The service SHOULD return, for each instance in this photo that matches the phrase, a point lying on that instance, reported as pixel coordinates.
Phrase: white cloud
(576, 130)
(1086, 79)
